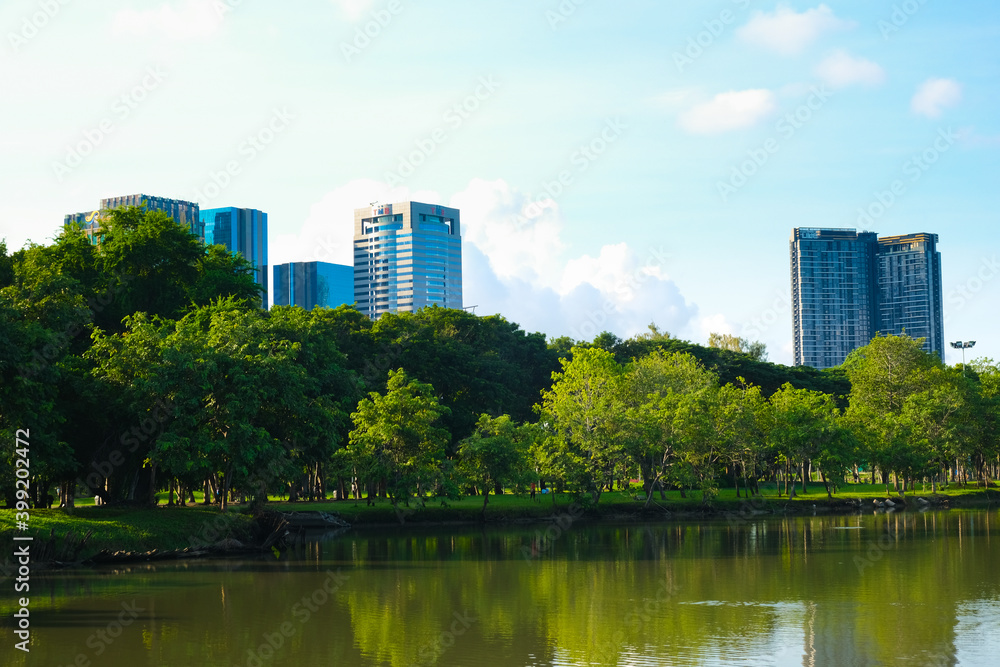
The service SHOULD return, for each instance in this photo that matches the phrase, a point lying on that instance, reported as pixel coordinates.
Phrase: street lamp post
(960, 345)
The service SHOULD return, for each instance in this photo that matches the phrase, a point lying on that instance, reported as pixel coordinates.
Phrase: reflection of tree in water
(775, 591)
(684, 594)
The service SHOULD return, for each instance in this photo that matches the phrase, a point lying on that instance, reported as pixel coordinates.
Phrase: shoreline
(165, 533)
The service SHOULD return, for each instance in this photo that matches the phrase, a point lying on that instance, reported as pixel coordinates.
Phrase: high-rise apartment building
(833, 307)
(909, 289)
(313, 284)
(849, 286)
(184, 212)
(242, 230)
(406, 256)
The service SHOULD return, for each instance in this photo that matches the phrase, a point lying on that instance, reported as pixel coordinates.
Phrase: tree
(744, 420)
(238, 390)
(938, 421)
(396, 438)
(583, 409)
(650, 394)
(883, 375)
(807, 430)
(756, 350)
(496, 454)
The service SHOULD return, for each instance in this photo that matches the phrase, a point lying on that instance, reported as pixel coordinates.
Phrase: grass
(116, 529)
(510, 507)
(165, 528)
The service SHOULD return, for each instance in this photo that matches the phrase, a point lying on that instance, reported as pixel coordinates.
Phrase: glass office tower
(184, 212)
(849, 286)
(242, 230)
(313, 284)
(407, 256)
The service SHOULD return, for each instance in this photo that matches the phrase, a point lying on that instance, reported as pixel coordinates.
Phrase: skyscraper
(848, 287)
(406, 256)
(909, 289)
(312, 284)
(242, 230)
(183, 212)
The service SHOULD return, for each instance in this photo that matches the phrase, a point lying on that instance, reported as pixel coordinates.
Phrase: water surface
(897, 589)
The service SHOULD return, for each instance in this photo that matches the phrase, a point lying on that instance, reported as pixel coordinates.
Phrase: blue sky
(615, 163)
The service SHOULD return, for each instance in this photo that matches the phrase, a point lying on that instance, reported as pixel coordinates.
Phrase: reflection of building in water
(853, 633)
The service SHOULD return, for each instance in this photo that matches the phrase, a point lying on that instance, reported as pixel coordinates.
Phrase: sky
(615, 164)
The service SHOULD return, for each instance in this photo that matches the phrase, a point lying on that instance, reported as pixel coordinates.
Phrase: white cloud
(521, 238)
(787, 32)
(729, 111)
(934, 96)
(514, 265)
(709, 324)
(189, 19)
(840, 70)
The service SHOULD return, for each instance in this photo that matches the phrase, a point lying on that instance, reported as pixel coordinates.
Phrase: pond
(874, 589)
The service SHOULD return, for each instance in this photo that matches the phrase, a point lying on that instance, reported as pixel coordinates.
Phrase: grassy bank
(166, 528)
(162, 528)
(617, 504)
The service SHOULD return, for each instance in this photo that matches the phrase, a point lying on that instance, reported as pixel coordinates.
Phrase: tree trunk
(826, 483)
(805, 474)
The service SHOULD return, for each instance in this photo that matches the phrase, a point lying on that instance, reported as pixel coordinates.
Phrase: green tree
(807, 430)
(396, 438)
(883, 375)
(756, 350)
(583, 408)
(650, 394)
(496, 454)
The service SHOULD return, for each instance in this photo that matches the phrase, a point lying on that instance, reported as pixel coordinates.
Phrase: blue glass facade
(849, 286)
(242, 230)
(407, 256)
(313, 284)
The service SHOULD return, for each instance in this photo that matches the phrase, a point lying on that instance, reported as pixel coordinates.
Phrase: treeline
(146, 364)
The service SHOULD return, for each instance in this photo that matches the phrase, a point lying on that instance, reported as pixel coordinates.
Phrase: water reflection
(886, 589)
